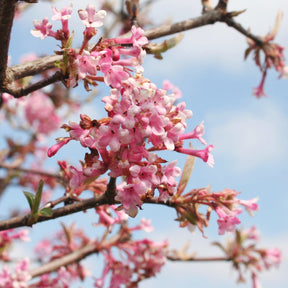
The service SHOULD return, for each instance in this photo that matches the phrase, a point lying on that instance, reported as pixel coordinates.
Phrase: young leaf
(30, 198)
(46, 212)
(37, 200)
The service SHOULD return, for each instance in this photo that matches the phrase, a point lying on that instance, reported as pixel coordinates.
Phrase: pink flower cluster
(19, 278)
(143, 259)
(141, 119)
(105, 56)
(246, 256)
(273, 56)
(225, 203)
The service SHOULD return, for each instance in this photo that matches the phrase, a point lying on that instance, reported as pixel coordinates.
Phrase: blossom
(198, 132)
(250, 205)
(64, 14)
(38, 108)
(271, 257)
(90, 17)
(227, 219)
(43, 29)
(18, 278)
(60, 143)
(259, 91)
(130, 196)
(85, 64)
(204, 154)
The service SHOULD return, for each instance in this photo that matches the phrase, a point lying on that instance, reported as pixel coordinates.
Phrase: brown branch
(7, 11)
(210, 17)
(36, 172)
(237, 26)
(79, 254)
(198, 259)
(222, 5)
(32, 68)
(111, 191)
(71, 258)
(21, 221)
(19, 92)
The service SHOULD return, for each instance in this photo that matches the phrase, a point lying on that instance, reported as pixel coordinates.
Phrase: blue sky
(250, 135)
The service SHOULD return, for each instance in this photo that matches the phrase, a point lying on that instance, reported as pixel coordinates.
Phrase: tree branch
(19, 92)
(21, 221)
(198, 259)
(65, 260)
(45, 63)
(7, 11)
(79, 254)
(24, 170)
(210, 17)
(32, 68)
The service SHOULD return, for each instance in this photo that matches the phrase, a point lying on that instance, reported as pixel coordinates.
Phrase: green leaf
(37, 200)
(30, 198)
(46, 212)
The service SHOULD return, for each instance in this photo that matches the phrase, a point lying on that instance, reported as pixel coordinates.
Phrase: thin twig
(198, 259)
(36, 172)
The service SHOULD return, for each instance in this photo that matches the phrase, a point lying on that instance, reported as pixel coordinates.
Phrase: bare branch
(25, 170)
(198, 259)
(210, 17)
(32, 68)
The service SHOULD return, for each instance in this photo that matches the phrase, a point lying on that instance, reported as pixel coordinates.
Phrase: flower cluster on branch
(122, 167)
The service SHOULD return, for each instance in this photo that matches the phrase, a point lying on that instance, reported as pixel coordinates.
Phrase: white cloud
(251, 137)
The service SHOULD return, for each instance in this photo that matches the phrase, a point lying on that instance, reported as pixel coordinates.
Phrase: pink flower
(203, 154)
(60, 143)
(38, 108)
(18, 278)
(64, 14)
(130, 196)
(86, 64)
(90, 17)
(43, 29)
(227, 220)
(115, 75)
(251, 233)
(259, 91)
(250, 205)
(198, 132)
(271, 257)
